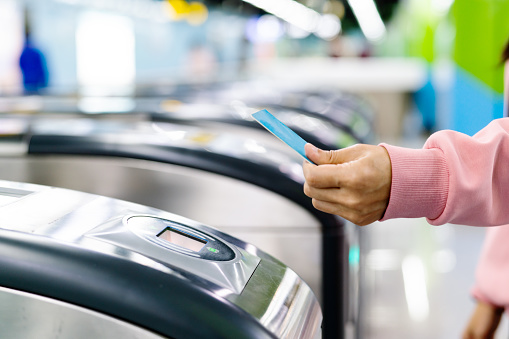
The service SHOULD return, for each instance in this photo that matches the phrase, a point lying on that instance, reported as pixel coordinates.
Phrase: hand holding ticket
(341, 185)
(281, 131)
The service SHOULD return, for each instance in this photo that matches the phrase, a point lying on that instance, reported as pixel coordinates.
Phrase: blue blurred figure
(33, 66)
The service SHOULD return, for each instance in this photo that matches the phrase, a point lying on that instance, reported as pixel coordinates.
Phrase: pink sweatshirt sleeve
(492, 273)
(454, 178)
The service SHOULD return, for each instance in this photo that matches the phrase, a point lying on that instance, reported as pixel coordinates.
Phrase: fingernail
(312, 150)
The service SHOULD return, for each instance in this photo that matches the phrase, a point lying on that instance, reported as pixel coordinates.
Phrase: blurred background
(382, 70)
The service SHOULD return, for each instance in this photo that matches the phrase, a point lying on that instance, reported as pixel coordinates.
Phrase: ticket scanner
(238, 184)
(78, 265)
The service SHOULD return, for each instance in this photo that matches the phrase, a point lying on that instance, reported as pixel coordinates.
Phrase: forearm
(454, 178)
(484, 322)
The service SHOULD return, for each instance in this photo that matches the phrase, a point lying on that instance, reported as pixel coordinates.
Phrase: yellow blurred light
(171, 105)
(181, 7)
(198, 13)
(203, 137)
(169, 11)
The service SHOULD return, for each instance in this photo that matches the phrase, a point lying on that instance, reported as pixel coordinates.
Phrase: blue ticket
(281, 131)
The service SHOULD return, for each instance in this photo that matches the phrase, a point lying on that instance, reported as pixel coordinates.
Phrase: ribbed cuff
(420, 183)
(479, 296)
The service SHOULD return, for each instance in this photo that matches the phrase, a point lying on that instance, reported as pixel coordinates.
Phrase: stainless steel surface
(265, 219)
(53, 212)
(13, 148)
(291, 299)
(231, 275)
(30, 316)
(296, 241)
(253, 145)
(275, 224)
(201, 114)
(215, 200)
(274, 295)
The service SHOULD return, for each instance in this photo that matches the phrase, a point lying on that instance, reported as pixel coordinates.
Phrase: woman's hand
(353, 182)
(483, 322)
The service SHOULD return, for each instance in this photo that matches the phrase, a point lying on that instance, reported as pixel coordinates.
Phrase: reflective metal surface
(335, 119)
(25, 315)
(243, 210)
(297, 240)
(281, 314)
(342, 109)
(274, 295)
(315, 129)
(232, 275)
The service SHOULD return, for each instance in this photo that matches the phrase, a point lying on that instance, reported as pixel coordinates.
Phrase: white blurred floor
(417, 279)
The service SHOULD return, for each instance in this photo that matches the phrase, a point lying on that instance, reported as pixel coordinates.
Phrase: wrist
(419, 184)
(490, 308)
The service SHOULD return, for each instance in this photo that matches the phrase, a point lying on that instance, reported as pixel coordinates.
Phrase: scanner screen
(182, 239)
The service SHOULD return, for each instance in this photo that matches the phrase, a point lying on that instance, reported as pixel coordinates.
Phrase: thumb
(321, 157)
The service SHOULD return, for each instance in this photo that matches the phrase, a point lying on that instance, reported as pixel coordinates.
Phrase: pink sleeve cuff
(420, 183)
(479, 296)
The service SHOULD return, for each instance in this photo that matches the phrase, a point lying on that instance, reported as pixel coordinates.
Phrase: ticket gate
(229, 182)
(318, 130)
(77, 265)
(344, 110)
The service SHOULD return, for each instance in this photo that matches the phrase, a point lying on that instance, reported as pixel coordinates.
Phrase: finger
(349, 200)
(329, 176)
(331, 208)
(343, 196)
(335, 195)
(321, 157)
(360, 219)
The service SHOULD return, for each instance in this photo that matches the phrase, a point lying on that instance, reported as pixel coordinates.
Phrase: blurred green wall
(482, 29)
(469, 35)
